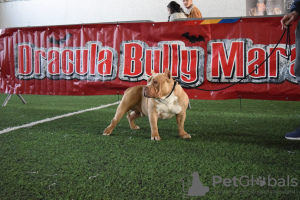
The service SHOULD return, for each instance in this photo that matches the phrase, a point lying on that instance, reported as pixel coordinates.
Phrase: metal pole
(6, 100)
(9, 96)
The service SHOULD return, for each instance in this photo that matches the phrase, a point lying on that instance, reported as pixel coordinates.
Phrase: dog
(161, 98)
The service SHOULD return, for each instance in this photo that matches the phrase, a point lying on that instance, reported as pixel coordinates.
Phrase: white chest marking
(167, 108)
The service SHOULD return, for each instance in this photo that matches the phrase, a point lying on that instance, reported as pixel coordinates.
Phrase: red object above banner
(102, 59)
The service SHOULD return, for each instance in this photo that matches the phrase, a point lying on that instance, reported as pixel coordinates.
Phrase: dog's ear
(152, 72)
(168, 74)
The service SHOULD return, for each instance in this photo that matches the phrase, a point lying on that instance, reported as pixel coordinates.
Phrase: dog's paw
(186, 136)
(106, 132)
(135, 127)
(156, 138)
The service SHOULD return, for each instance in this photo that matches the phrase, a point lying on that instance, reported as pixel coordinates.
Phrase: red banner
(101, 59)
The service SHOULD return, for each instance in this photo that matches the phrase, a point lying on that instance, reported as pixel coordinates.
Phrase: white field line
(55, 118)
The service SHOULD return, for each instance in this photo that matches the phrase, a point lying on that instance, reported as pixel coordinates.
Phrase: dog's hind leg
(133, 116)
(121, 110)
(129, 102)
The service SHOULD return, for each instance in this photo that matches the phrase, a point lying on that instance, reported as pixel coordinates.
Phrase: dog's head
(159, 85)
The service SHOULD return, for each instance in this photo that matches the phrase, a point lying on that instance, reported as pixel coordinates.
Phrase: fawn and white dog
(160, 98)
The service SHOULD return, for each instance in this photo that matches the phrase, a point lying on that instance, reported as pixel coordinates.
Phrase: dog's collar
(175, 82)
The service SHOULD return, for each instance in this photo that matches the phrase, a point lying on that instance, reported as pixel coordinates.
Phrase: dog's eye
(155, 82)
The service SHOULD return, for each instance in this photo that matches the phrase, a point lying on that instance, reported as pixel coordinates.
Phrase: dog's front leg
(180, 124)
(153, 117)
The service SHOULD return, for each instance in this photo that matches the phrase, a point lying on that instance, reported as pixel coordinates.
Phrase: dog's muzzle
(145, 92)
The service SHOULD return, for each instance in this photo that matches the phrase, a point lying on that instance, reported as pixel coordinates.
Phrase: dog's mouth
(156, 98)
(148, 94)
(145, 94)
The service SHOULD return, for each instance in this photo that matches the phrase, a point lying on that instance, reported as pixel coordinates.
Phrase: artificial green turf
(41, 107)
(70, 158)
